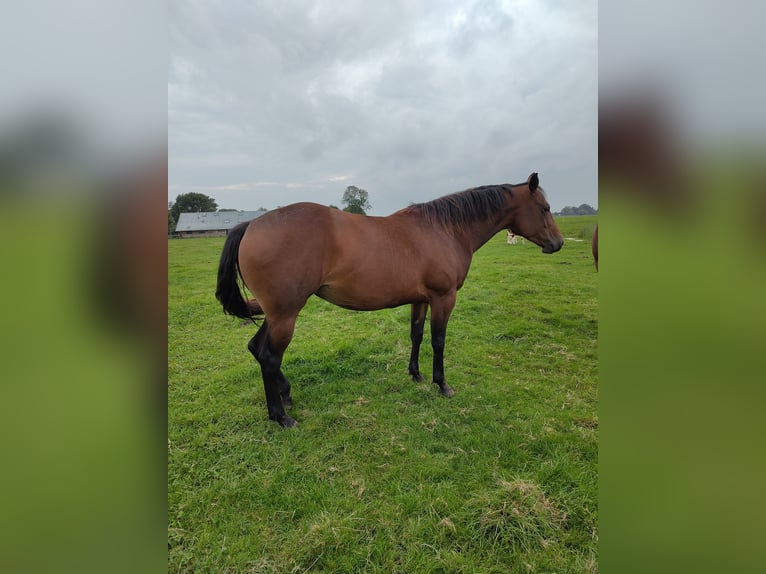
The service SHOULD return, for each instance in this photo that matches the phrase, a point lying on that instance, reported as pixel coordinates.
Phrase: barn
(213, 223)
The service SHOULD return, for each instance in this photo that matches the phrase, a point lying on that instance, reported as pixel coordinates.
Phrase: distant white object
(512, 239)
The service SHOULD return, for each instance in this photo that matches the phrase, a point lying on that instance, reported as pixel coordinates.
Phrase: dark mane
(461, 208)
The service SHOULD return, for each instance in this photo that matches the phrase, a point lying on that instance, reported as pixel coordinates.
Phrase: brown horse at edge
(594, 246)
(419, 256)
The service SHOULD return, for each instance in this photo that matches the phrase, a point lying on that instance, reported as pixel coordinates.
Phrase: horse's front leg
(417, 322)
(441, 308)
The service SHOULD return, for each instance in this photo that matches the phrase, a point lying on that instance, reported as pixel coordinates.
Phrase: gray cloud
(271, 103)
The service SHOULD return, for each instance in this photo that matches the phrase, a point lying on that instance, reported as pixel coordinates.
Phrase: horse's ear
(533, 181)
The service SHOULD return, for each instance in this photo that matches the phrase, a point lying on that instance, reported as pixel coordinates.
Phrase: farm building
(206, 224)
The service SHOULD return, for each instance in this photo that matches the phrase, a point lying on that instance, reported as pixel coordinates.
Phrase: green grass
(383, 474)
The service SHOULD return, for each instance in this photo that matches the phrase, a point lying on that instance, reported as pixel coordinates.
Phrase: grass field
(383, 474)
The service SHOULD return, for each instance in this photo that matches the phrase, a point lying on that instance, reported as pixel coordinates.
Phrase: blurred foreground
(682, 326)
(83, 242)
(83, 395)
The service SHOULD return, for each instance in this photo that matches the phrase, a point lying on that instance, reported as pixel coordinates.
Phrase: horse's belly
(362, 299)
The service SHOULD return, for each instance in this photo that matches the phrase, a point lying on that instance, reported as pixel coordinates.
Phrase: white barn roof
(214, 220)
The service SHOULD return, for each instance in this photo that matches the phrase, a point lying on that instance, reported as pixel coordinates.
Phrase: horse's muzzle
(553, 246)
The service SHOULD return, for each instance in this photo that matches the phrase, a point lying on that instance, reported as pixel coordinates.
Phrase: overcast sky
(274, 102)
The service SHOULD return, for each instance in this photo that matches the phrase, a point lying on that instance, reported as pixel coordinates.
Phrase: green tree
(583, 209)
(171, 221)
(192, 202)
(356, 200)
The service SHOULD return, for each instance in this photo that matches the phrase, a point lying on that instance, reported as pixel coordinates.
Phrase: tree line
(582, 209)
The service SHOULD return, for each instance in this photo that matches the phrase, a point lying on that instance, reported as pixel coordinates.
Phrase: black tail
(228, 291)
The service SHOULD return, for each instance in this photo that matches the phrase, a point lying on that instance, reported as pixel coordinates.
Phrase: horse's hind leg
(268, 346)
(417, 321)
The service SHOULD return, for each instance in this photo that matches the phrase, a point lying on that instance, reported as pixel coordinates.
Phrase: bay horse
(594, 246)
(419, 256)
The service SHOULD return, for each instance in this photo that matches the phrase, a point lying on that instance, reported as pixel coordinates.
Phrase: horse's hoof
(417, 377)
(447, 391)
(284, 420)
(287, 422)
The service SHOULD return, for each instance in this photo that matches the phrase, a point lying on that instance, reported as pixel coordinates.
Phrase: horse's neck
(476, 233)
(469, 236)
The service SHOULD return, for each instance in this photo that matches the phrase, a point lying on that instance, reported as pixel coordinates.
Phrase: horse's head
(530, 216)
